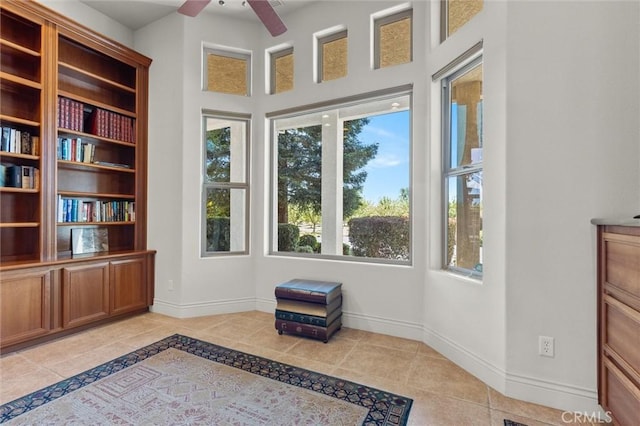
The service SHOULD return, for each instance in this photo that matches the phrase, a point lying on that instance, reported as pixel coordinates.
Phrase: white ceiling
(135, 14)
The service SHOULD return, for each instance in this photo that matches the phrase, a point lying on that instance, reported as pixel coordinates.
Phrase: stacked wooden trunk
(309, 308)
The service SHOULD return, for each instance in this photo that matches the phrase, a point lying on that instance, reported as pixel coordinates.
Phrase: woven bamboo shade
(226, 74)
(395, 43)
(334, 59)
(459, 12)
(284, 73)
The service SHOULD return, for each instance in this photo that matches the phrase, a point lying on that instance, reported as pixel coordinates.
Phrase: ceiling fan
(262, 8)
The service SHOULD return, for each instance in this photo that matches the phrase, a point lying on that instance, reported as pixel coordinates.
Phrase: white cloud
(383, 161)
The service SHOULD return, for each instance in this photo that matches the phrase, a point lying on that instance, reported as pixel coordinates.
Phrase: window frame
(448, 74)
(274, 56)
(231, 185)
(320, 42)
(444, 20)
(385, 20)
(406, 90)
(218, 51)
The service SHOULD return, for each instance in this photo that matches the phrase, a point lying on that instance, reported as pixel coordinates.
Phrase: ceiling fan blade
(193, 7)
(268, 16)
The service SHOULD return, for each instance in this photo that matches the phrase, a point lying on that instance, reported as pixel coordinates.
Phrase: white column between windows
(237, 196)
(332, 167)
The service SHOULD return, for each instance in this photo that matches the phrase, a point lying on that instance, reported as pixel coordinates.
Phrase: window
(225, 189)
(282, 71)
(456, 13)
(462, 165)
(393, 40)
(332, 56)
(341, 181)
(227, 72)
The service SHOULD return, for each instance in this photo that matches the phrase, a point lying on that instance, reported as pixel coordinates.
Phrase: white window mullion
(332, 184)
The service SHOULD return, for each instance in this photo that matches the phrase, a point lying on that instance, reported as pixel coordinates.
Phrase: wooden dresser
(619, 320)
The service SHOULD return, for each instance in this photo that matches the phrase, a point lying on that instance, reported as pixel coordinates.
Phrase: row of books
(70, 114)
(19, 141)
(99, 122)
(73, 149)
(17, 176)
(110, 125)
(76, 210)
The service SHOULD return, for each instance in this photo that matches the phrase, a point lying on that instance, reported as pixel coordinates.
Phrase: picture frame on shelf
(89, 240)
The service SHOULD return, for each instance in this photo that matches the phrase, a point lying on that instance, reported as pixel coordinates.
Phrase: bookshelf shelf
(96, 103)
(19, 80)
(74, 133)
(129, 223)
(92, 166)
(19, 190)
(17, 120)
(95, 195)
(20, 225)
(80, 74)
(11, 45)
(4, 155)
(63, 85)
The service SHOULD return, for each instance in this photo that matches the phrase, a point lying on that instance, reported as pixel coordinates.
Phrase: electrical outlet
(170, 285)
(545, 346)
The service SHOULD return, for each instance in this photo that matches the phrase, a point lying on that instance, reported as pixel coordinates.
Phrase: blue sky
(388, 172)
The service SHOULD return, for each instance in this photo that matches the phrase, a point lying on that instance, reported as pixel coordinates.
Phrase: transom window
(393, 39)
(332, 56)
(342, 180)
(456, 13)
(282, 70)
(227, 72)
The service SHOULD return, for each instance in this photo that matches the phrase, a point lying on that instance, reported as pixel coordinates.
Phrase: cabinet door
(85, 294)
(25, 310)
(128, 285)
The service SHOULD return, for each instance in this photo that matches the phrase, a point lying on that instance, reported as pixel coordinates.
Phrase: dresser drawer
(622, 333)
(622, 397)
(622, 262)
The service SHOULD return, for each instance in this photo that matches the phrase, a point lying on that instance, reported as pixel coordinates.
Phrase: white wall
(91, 18)
(383, 298)
(572, 154)
(562, 86)
(163, 42)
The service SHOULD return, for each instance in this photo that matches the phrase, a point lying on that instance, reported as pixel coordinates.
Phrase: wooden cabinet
(30, 292)
(128, 291)
(85, 294)
(619, 322)
(73, 120)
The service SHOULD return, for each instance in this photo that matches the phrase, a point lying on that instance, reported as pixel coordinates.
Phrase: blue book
(4, 144)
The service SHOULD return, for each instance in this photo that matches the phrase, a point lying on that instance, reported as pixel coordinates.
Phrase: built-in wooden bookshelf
(21, 110)
(63, 85)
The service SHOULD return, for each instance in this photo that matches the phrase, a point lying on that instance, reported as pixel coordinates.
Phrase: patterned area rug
(181, 380)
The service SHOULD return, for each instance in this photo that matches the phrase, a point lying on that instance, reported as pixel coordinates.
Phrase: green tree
(300, 162)
(218, 164)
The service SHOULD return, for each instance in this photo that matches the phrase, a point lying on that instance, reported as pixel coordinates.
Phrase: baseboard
(544, 392)
(371, 323)
(554, 394)
(190, 310)
(489, 373)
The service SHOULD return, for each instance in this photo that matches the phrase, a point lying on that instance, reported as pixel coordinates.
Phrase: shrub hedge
(384, 237)
(288, 236)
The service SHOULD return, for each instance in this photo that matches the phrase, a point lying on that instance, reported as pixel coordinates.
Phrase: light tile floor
(443, 393)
